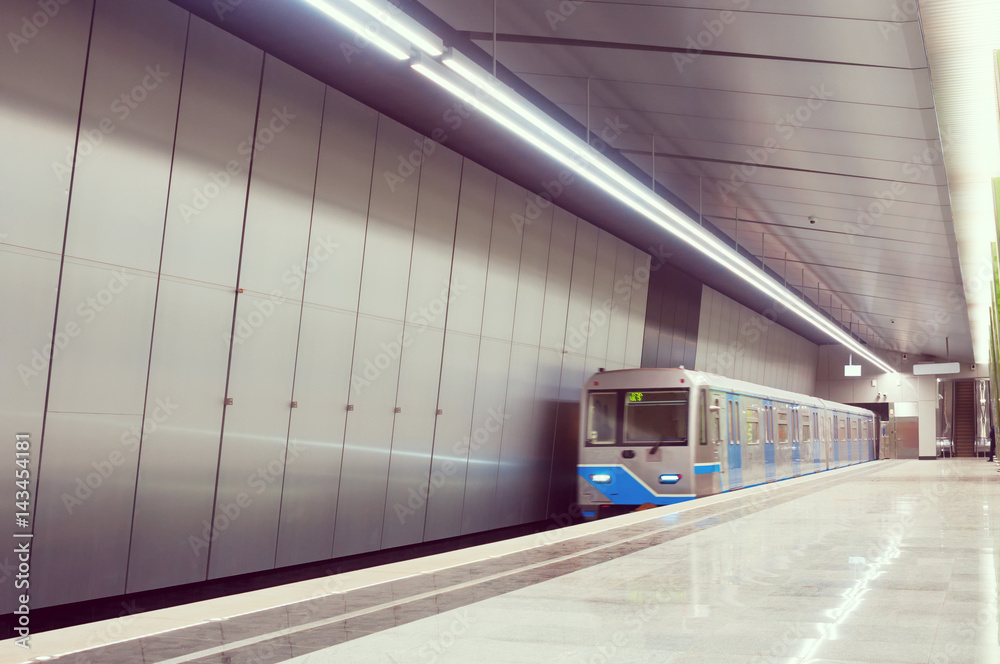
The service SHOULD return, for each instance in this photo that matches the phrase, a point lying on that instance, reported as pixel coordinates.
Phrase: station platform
(888, 562)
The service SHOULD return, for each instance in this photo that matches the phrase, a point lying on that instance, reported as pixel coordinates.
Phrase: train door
(735, 451)
(796, 442)
(753, 456)
(712, 465)
(768, 414)
(816, 435)
(782, 413)
(828, 441)
(834, 461)
(849, 426)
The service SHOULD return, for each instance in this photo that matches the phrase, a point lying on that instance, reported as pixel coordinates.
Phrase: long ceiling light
(358, 26)
(464, 79)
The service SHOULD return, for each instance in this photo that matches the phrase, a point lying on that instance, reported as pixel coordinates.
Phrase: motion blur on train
(663, 436)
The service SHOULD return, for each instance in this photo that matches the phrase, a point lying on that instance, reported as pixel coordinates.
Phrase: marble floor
(889, 562)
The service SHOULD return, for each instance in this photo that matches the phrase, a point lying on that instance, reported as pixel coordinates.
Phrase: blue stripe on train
(624, 488)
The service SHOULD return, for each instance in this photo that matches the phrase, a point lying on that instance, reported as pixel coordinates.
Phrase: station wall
(739, 343)
(251, 323)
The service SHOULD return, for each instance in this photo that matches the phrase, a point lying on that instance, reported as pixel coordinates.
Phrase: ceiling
(825, 105)
(962, 37)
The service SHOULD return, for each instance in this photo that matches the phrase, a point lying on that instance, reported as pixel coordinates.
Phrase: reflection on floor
(889, 562)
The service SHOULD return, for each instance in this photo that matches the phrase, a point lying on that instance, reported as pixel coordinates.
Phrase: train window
(753, 426)
(660, 418)
(782, 427)
(843, 430)
(602, 418)
(854, 430)
(717, 422)
(806, 430)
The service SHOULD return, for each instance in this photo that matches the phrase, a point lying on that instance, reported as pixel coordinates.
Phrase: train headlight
(601, 478)
(670, 479)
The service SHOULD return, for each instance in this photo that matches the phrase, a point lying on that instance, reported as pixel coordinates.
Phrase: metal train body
(662, 436)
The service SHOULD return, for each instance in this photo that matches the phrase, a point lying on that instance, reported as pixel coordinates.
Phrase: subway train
(663, 436)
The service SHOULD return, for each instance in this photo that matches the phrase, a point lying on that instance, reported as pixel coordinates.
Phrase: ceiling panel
(693, 121)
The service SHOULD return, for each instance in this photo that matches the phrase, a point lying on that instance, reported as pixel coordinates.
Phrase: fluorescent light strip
(360, 28)
(497, 90)
(693, 235)
(576, 155)
(384, 16)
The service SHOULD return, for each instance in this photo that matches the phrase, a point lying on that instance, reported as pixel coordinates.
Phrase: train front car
(637, 433)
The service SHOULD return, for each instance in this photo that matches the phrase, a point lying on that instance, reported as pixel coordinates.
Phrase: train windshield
(657, 417)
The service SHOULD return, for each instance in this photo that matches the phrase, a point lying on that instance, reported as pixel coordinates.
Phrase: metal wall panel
(283, 182)
(343, 192)
(329, 318)
(180, 447)
(30, 280)
(562, 491)
(534, 500)
(739, 361)
(504, 262)
(208, 181)
(255, 432)
(365, 470)
(316, 434)
(517, 446)
(41, 88)
(429, 290)
(389, 242)
(581, 288)
(194, 310)
(84, 507)
(116, 218)
(667, 328)
(531, 281)
(622, 303)
(412, 438)
(388, 252)
(557, 282)
(488, 418)
(427, 302)
(604, 288)
(132, 88)
(102, 368)
(451, 437)
(472, 248)
(692, 294)
(637, 311)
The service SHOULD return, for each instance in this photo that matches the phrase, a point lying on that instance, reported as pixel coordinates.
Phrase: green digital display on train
(635, 396)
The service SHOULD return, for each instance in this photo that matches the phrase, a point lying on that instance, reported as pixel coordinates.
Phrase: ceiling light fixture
(357, 26)
(464, 79)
